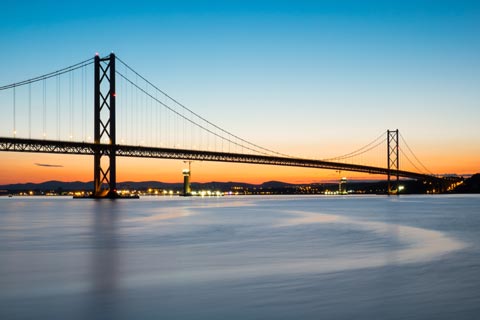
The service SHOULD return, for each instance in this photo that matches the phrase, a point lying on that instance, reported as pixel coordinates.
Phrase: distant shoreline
(469, 185)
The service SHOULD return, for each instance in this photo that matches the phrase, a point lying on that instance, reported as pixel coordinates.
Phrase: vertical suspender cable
(200, 139)
(125, 104)
(83, 103)
(14, 113)
(174, 123)
(156, 122)
(44, 109)
(142, 120)
(167, 125)
(29, 111)
(160, 125)
(137, 111)
(70, 107)
(150, 103)
(192, 136)
(132, 127)
(58, 107)
(121, 110)
(73, 106)
(184, 130)
(148, 120)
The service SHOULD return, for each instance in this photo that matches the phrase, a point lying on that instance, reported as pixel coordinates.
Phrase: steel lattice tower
(104, 127)
(392, 158)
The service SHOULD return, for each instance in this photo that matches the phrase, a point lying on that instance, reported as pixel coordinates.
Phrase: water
(372, 257)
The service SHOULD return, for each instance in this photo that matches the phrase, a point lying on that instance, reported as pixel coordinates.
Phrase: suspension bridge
(132, 117)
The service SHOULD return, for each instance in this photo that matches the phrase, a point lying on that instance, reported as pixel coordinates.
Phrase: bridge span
(86, 148)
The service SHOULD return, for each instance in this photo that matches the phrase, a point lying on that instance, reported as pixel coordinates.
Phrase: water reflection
(105, 258)
(420, 244)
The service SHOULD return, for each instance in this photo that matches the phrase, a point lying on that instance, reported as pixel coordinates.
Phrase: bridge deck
(86, 148)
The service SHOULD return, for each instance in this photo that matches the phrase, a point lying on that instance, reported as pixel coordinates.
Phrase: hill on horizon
(79, 185)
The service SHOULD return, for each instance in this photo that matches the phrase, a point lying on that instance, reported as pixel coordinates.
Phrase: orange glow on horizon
(22, 168)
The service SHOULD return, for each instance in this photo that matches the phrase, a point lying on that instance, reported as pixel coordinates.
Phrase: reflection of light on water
(179, 213)
(307, 218)
(171, 213)
(420, 245)
(423, 244)
(105, 260)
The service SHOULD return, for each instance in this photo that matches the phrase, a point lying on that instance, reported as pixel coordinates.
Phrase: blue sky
(314, 78)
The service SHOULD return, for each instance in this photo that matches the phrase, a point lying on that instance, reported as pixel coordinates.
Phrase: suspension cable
(181, 116)
(49, 75)
(410, 161)
(200, 117)
(360, 150)
(421, 164)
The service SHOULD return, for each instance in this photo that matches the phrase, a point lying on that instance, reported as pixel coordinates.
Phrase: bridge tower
(104, 127)
(392, 158)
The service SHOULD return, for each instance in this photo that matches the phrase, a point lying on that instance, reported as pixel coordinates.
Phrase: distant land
(470, 185)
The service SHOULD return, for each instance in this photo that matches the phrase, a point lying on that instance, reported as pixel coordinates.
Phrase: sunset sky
(313, 79)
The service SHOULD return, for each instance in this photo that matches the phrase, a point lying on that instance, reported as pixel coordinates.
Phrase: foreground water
(409, 257)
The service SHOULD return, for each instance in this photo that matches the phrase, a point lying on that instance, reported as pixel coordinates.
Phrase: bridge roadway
(88, 148)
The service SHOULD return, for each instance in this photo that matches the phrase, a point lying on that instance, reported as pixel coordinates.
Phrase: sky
(313, 79)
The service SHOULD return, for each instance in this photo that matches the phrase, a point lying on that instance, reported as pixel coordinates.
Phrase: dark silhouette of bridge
(105, 149)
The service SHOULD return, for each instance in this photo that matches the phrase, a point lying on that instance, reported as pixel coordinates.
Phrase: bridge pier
(187, 190)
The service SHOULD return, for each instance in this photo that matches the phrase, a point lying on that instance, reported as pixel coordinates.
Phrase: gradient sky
(309, 78)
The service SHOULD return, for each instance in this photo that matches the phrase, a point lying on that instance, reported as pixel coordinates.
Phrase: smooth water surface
(291, 257)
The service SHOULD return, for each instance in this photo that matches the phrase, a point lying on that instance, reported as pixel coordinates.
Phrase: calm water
(409, 257)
